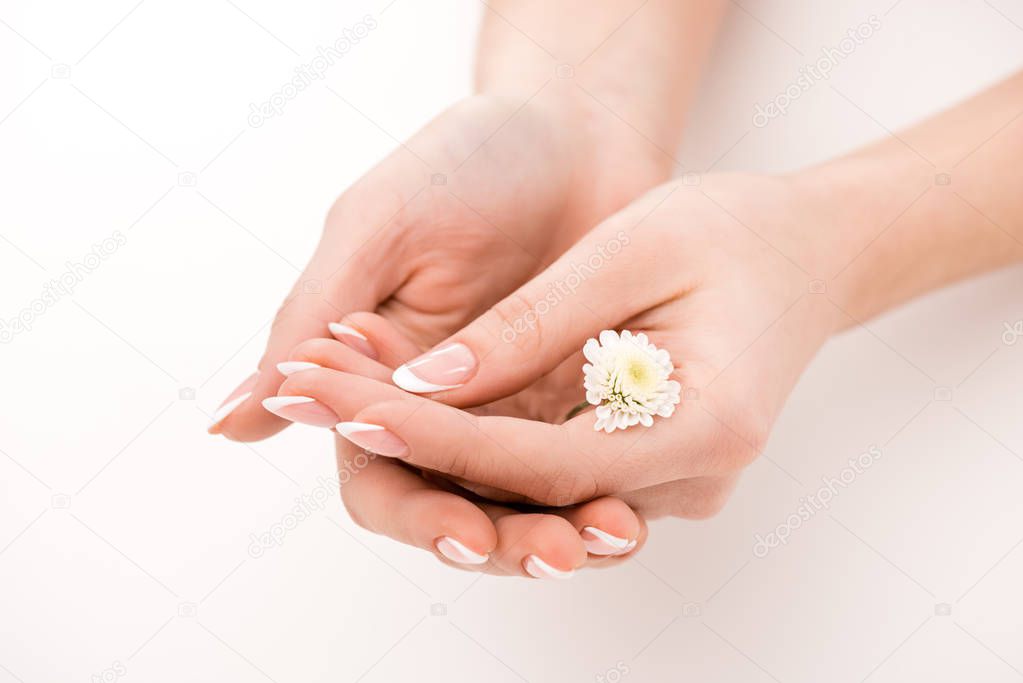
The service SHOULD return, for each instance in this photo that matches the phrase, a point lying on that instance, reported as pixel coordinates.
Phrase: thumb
(593, 286)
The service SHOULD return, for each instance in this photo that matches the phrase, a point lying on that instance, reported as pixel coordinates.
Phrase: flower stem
(576, 410)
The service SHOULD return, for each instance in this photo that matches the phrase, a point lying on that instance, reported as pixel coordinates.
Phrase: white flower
(627, 378)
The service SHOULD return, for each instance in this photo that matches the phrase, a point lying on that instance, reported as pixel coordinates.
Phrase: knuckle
(285, 309)
(743, 445)
(460, 461)
(736, 438)
(458, 464)
(304, 304)
(565, 487)
(517, 321)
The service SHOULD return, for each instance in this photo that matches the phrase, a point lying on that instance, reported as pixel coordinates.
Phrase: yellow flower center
(639, 374)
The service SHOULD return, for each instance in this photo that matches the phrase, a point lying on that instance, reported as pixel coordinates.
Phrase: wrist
(614, 162)
(851, 204)
(612, 158)
(886, 228)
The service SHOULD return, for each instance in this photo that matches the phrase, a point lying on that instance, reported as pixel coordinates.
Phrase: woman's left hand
(719, 276)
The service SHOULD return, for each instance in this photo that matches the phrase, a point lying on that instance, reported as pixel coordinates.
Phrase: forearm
(627, 74)
(940, 202)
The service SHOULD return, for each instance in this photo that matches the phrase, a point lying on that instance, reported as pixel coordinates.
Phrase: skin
(526, 167)
(727, 278)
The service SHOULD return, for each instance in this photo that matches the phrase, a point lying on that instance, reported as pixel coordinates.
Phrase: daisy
(627, 378)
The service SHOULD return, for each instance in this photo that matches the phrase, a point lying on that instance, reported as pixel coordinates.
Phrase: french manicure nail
(628, 548)
(301, 409)
(373, 438)
(349, 336)
(237, 397)
(456, 552)
(448, 367)
(539, 569)
(290, 367)
(600, 542)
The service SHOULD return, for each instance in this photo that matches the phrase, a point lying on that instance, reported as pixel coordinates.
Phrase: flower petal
(608, 338)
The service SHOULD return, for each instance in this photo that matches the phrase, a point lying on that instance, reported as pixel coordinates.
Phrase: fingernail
(628, 548)
(373, 438)
(233, 400)
(349, 336)
(456, 552)
(301, 409)
(539, 569)
(600, 542)
(448, 367)
(290, 367)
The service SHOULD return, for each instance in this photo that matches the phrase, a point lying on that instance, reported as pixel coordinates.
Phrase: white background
(124, 528)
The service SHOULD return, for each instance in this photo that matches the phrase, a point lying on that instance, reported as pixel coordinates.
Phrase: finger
(592, 287)
(394, 419)
(549, 464)
(360, 350)
(347, 273)
(304, 315)
(376, 337)
(387, 498)
(384, 497)
(543, 546)
(589, 520)
(314, 354)
(606, 525)
(552, 465)
(603, 561)
(322, 397)
(332, 354)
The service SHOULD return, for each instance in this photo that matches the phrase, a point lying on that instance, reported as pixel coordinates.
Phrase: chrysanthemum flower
(627, 378)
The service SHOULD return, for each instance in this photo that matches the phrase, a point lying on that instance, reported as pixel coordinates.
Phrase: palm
(738, 338)
(513, 203)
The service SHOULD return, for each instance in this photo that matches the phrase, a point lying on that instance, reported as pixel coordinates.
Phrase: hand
(537, 170)
(721, 277)
(427, 510)
(521, 182)
(717, 275)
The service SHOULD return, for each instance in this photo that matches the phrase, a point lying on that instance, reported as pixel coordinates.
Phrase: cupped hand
(718, 275)
(476, 203)
(473, 205)
(425, 509)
